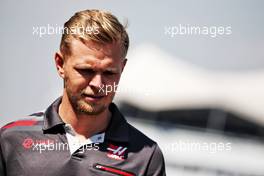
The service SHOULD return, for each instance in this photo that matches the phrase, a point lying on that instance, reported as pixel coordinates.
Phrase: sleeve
(2, 163)
(157, 164)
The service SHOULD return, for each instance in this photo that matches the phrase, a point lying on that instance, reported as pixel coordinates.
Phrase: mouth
(93, 98)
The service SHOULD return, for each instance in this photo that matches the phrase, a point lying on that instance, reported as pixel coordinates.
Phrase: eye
(85, 71)
(109, 73)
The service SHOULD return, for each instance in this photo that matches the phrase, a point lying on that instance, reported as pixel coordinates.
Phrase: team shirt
(42, 144)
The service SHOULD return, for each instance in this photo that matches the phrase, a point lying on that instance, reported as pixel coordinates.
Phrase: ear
(59, 61)
(124, 63)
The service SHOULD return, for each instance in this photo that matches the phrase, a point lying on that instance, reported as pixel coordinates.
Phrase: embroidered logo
(116, 152)
(28, 143)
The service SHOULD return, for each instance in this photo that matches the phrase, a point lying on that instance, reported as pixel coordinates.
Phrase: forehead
(90, 50)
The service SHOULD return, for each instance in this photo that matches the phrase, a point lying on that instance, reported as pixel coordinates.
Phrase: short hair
(95, 25)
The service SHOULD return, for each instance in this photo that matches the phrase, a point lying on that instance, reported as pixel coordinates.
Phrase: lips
(93, 97)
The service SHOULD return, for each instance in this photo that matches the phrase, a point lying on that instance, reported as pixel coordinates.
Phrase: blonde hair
(98, 26)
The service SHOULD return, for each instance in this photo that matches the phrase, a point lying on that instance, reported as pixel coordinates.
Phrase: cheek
(111, 81)
(112, 85)
(75, 84)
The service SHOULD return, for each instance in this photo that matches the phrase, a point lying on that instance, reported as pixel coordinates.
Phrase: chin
(91, 109)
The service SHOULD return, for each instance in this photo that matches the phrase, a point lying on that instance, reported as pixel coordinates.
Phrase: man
(82, 132)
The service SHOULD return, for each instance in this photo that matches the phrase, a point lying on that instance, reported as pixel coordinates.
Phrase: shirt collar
(74, 142)
(117, 129)
(52, 120)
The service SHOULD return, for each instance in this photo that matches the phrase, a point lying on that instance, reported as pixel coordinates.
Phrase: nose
(96, 81)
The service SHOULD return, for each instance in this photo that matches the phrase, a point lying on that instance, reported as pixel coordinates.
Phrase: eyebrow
(112, 69)
(83, 66)
(88, 66)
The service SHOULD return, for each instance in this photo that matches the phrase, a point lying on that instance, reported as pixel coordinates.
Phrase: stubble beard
(82, 107)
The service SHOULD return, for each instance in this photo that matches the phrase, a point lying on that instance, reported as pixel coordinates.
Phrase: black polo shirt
(37, 145)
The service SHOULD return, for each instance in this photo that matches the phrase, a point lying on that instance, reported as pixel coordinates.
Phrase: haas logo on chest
(116, 152)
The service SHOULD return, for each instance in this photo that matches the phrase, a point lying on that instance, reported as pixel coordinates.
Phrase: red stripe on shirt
(20, 123)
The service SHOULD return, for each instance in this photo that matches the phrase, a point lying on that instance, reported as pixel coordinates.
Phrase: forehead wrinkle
(88, 54)
(105, 50)
(95, 50)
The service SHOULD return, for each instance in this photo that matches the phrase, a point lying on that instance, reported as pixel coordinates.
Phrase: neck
(84, 125)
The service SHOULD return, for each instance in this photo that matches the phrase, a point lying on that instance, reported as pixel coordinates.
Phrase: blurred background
(198, 93)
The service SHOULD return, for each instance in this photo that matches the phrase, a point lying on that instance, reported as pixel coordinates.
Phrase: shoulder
(147, 151)
(23, 124)
(143, 145)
